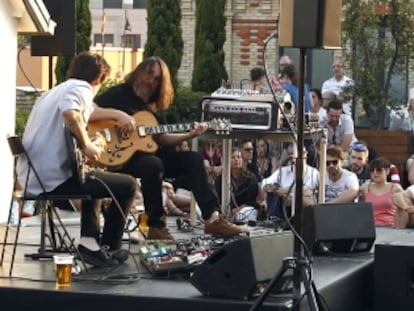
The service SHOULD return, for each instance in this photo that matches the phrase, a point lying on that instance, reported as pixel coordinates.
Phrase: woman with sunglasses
(380, 193)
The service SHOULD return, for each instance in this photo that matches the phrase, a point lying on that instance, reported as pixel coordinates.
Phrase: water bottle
(14, 217)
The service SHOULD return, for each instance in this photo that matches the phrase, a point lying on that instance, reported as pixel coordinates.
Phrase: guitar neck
(168, 128)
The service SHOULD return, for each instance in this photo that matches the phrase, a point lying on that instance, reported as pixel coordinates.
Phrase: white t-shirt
(348, 180)
(45, 130)
(345, 126)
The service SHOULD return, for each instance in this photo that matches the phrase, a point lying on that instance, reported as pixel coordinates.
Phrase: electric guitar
(121, 145)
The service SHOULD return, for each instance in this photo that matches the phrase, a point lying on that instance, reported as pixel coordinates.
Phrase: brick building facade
(249, 23)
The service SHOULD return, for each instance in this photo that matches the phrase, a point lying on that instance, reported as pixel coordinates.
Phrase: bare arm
(123, 119)
(346, 142)
(347, 196)
(403, 200)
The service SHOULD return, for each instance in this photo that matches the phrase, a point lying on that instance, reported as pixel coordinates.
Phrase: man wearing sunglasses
(341, 186)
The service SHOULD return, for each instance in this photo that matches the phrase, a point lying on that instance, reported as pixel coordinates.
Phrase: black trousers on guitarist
(169, 163)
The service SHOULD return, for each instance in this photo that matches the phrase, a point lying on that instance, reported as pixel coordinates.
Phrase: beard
(145, 91)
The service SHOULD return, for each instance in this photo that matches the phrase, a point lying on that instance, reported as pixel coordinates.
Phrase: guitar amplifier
(256, 112)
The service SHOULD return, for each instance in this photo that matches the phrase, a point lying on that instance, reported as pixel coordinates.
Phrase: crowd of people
(262, 181)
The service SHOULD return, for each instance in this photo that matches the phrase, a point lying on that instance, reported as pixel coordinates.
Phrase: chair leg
(21, 203)
(6, 233)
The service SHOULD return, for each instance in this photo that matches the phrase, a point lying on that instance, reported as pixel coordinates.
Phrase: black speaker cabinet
(339, 228)
(394, 277)
(63, 42)
(235, 269)
(310, 23)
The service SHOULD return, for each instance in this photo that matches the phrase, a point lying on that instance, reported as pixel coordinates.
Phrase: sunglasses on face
(332, 162)
(377, 169)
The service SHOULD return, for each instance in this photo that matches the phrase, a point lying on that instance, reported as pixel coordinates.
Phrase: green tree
(210, 35)
(83, 29)
(164, 36)
(377, 44)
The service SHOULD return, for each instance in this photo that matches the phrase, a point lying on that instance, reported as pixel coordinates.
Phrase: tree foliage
(377, 45)
(210, 36)
(83, 29)
(164, 36)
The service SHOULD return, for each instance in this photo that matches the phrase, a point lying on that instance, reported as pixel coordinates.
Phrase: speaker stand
(299, 264)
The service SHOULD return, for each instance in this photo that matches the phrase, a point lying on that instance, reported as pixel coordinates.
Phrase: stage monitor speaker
(63, 42)
(237, 268)
(339, 228)
(394, 277)
(310, 23)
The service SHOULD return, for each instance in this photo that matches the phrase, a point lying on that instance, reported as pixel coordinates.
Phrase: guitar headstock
(220, 126)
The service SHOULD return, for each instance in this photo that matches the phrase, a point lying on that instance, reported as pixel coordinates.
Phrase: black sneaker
(101, 258)
(121, 255)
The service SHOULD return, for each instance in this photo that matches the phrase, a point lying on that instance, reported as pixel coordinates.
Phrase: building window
(108, 42)
(132, 41)
(112, 4)
(140, 4)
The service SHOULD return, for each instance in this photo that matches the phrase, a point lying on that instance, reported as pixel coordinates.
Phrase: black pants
(169, 163)
(98, 185)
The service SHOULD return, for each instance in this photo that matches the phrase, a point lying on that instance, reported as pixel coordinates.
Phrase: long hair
(165, 94)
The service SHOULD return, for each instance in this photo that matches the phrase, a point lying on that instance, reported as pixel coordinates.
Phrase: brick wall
(249, 22)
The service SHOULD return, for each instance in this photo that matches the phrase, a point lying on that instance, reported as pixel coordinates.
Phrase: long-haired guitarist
(148, 88)
(67, 108)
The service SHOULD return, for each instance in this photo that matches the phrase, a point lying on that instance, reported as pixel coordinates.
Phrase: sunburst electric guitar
(121, 145)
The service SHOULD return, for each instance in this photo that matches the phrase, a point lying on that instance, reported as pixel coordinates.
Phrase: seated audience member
(358, 160)
(379, 192)
(248, 157)
(371, 154)
(264, 161)
(244, 190)
(316, 104)
(183, 146)
(212, 159)
(340, 127)
(405, 207)
(341, 186)
(258, 79)
(280, 185)
(168, 199)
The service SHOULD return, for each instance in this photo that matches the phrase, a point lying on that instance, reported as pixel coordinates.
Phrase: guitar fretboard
(168, 128)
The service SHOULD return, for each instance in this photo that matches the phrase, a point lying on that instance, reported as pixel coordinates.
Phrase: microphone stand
(299, 264)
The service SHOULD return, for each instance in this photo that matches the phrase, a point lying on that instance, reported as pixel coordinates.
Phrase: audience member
(280, 185)
(316, 105)
(405, 207)
(379, 192)
(340, 127)
(258, 80)
(341, 85)
(244, 189)
(248, 157)
(341, 185)
(277, 83)
(266, 164)
(211, 155)
(289, 76)
(148, 89)
(358, 160)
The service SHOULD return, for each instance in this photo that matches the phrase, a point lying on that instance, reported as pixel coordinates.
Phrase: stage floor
(344, 282)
